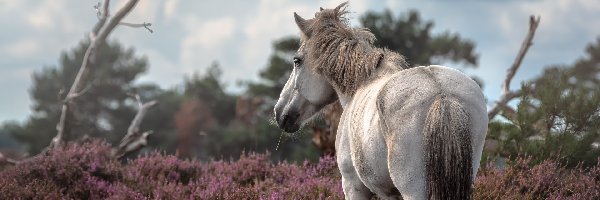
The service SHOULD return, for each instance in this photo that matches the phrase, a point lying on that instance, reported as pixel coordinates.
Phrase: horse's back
(409, 93)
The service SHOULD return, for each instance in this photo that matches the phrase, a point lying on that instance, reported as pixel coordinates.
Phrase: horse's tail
(448, 150)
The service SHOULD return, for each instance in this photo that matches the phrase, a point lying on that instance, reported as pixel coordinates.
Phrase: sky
(190, 35)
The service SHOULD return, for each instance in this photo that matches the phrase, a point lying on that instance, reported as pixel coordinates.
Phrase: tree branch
(77, 95)
(145, 25)
(502, 102)
(97, 37)
(102, 16)
(527, 42)
(134, 140)
(4, 159)
(508, 95)
(116, 19)
(508, 112)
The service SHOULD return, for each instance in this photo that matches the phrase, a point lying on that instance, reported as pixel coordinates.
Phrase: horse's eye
(297, 62)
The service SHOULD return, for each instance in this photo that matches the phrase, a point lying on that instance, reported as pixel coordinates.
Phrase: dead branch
(77, 95)
(7, 160)
(507, 111)
(134, 140)
(102, 12)
(97, 37)
(145, 25)
(508, 95)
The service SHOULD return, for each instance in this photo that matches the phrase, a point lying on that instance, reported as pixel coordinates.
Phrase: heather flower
(87, 171)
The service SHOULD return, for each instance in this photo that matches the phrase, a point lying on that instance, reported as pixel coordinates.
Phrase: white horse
(405, 133)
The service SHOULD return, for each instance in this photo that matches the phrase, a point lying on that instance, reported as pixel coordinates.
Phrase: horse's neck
(384, 71)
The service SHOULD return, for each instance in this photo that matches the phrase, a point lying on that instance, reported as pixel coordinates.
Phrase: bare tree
(508, 95)
(97, 37)
(4, 159)
(133, 140)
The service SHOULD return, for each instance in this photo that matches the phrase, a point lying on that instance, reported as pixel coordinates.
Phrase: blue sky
(190, 35)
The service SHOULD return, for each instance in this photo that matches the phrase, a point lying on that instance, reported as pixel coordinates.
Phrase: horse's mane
(346, 56)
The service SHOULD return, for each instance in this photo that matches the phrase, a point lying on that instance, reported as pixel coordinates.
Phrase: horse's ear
(342, 5)
(302, 24)
(321, 9)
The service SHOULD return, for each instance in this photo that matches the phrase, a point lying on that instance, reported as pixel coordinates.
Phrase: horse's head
(307, 91)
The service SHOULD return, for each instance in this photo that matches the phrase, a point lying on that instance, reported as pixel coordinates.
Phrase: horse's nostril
(293, 116)
(287, 122)
(283, 120)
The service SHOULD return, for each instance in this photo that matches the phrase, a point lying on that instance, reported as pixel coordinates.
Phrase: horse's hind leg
(354, 188)
(352, 185)
(406, 165)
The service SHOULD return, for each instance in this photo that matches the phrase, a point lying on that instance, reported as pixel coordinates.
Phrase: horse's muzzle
(289, 122)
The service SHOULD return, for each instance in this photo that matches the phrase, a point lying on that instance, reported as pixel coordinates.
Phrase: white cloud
(170, 7)
(14, 84)
(394, 3)
(354, 6)
(144, 11)
(565, 28)
(205, 39)
(40, 19)
(50, 15)
(558, 18)
(239, 35)
(22, 48)
(211, 33)
(506, 21)
(578, 12)
(10, 5)
(273, 20)
(20, 72)
(161, 70)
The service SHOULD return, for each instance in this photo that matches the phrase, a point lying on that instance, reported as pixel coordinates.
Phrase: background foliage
(558, 119)
(199, 119)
